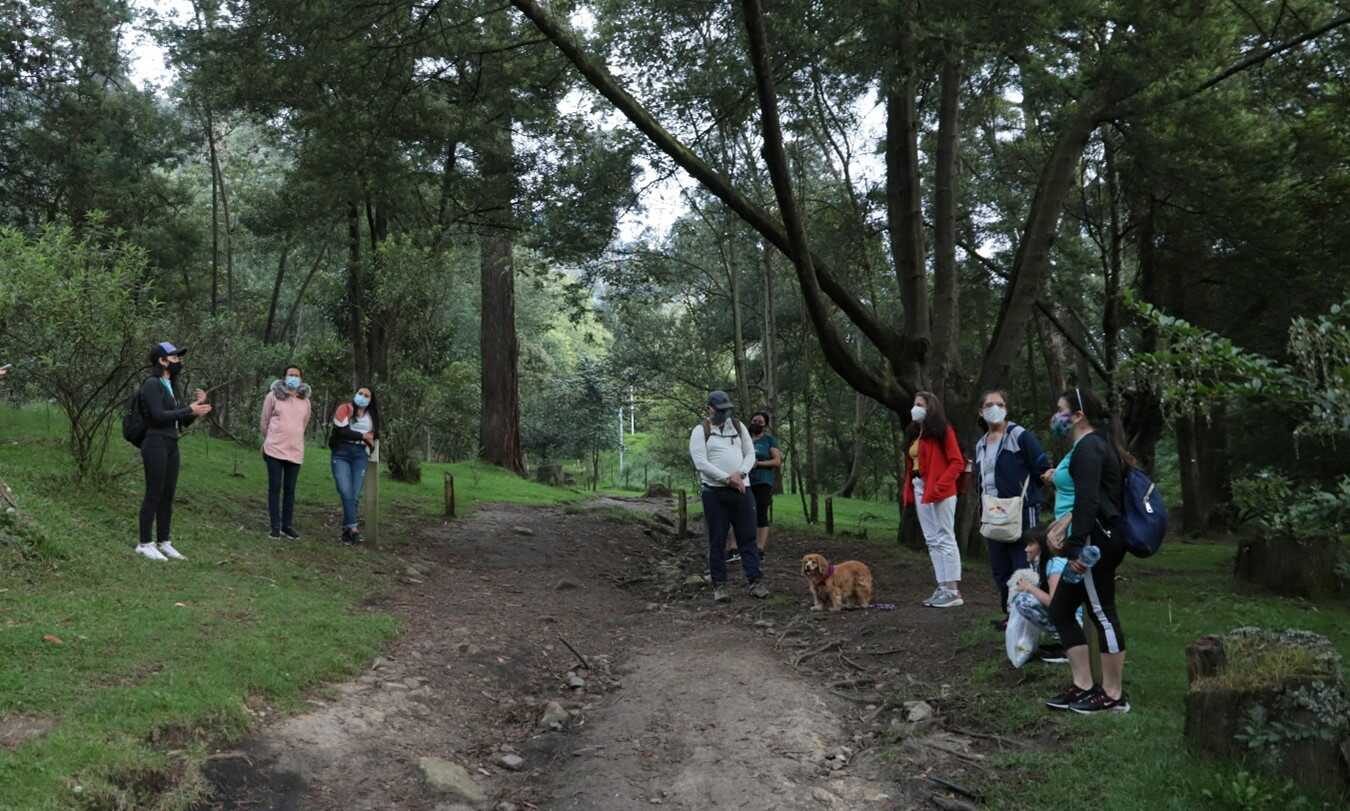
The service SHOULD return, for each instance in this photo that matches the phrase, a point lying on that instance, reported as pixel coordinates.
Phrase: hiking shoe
(947, 599)
(289, 534)
(1097, 700)
(758, 590)
(274, 534)
(733, 557)
(937, 592)
(1066, 699)
(166, 549)
(148, 550)
(720, 594)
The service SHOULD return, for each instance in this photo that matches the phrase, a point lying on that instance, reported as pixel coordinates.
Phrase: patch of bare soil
(15, 729)
(559, 658)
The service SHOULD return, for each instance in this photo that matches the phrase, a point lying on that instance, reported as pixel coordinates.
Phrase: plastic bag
(1022, 638)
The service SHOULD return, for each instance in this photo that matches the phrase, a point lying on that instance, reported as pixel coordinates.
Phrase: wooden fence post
(829, 515)
(373, 495)
(684, 514)
(449, 494)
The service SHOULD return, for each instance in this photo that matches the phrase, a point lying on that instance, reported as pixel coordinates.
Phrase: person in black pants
(165, 416)
(1095, 473)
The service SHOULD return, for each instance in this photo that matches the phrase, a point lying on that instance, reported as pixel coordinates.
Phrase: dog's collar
(828, 574)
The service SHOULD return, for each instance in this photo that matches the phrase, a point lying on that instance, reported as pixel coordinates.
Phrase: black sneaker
(275, 534)
(1066, 699)
(733, 557)
(354, 537)
(1097, 700)
(290, 534)
(1052, 656)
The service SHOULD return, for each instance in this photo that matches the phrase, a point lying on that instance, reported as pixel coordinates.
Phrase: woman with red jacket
(933, 463)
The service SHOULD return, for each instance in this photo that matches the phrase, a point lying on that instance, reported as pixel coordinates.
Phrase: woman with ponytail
(1088, 484)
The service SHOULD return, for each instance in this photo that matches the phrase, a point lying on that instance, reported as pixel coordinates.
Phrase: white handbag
(1001, 518)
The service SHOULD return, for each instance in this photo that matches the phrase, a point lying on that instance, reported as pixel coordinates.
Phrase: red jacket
(942, 463)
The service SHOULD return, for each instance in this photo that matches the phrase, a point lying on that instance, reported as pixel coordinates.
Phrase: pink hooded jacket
(285, 415)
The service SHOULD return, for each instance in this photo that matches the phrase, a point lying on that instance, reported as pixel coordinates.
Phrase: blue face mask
(292, 382)
(361, 400)
(1061, 424)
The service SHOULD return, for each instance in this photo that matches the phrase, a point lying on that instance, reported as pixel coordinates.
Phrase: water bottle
(1088, 557)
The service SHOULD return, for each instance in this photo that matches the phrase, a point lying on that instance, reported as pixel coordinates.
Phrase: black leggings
(763, 500)
(160, 454)
(1098, 591)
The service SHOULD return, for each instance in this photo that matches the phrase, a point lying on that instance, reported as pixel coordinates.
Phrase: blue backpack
(1143, 521)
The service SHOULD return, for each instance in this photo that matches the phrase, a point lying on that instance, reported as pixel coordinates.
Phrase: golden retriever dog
(837, 582)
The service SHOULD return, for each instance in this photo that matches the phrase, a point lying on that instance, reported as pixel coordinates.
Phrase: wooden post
(373, 495)
(829, 515)
(449, 494)
(684, 514)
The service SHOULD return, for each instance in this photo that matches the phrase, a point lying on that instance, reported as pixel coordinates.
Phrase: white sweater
(725, 453)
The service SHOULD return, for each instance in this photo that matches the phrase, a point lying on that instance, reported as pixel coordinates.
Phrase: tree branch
(886, 339)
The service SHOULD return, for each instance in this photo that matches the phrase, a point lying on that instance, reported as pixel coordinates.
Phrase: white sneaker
(166, 549)
(148, 550)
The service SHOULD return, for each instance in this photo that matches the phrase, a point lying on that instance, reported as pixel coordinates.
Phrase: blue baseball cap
(719, 400)
(163, 350)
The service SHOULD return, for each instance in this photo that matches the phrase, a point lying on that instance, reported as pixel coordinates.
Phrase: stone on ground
(452, 779)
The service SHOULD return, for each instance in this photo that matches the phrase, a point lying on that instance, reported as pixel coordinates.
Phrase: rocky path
(559, 658)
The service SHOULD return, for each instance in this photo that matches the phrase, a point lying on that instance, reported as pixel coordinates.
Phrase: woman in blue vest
(1008, 461)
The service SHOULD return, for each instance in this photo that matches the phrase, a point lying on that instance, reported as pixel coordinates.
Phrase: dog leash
(883, 606)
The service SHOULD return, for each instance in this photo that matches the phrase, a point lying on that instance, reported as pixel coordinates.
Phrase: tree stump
(1294, 568)
(1275, 699)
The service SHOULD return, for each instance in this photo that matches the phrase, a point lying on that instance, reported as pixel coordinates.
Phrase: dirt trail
(680, 703)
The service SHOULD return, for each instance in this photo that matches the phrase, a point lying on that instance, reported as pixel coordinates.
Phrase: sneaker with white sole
(758, 590)
(947, 599)
(148, 550)
(937, 592)
(166, 549)
(720, 594)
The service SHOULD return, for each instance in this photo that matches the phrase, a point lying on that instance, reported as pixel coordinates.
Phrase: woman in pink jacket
(285, 415)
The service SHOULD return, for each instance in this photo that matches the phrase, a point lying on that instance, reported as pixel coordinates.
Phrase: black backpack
(134, 426)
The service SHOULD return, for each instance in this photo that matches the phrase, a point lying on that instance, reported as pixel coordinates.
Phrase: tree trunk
(1032, 262)
(377, 333)
(1114, 272)
(1194, 495)
(737, 322)
(356, 299)
(215, 216)
(904, 209)
(944, 368)
(1143, 415)
(276, 294)
(499, 425)
(859, 446)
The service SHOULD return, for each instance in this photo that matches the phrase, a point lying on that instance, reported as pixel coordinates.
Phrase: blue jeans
(349, 474)
(725, 507)
(281, 478)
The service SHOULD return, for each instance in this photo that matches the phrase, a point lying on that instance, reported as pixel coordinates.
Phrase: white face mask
(917, 413)
(995, 414)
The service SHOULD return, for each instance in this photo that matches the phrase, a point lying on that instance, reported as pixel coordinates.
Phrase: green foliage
(1262, 497)
(1274, 503)
(1245, 792)
(76, 312)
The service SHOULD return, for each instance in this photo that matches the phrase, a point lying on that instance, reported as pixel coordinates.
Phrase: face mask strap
(1079, 392)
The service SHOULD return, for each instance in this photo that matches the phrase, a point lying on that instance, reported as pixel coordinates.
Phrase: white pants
(938, 522)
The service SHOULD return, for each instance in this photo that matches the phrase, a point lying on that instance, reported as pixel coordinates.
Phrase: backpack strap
(707, 429)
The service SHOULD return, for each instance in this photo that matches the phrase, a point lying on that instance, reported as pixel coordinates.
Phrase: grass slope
(1139, 760)
(156, 659)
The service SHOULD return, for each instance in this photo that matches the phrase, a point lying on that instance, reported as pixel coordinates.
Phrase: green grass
(1139, 760)
(158, 660)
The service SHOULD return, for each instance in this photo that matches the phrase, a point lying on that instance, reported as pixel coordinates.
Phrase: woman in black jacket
(356, 426)
(1088, 484)
(165, 417)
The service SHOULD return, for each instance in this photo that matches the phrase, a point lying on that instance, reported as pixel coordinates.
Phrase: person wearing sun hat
(165, 418)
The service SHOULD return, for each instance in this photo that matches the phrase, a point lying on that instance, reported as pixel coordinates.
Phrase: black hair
(372, 410)
(1039, 537)
(979, 419)
(153, 367)
(1081, 399)
(767, 420)
(289, 367)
